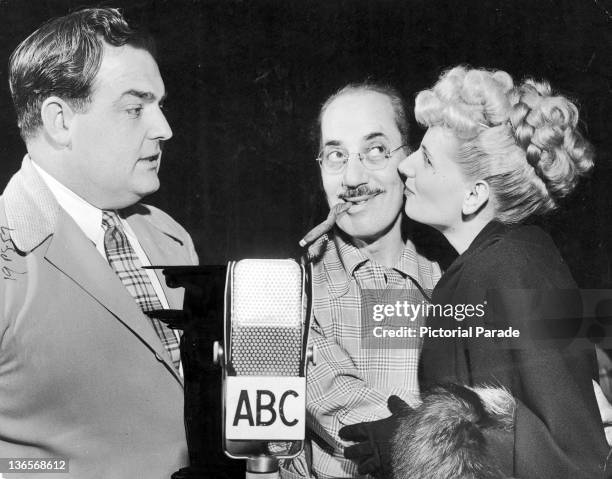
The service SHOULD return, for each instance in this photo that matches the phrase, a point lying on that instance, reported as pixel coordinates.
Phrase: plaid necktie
(125, 262)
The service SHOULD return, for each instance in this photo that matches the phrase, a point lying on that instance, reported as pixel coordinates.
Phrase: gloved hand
(372, 451)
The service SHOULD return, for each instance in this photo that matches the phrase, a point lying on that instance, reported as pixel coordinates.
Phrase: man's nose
(160, 128)
(355, 173)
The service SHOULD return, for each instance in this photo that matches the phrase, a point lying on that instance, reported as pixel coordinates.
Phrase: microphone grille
(266, 351)
(266, 318)
(267, 293)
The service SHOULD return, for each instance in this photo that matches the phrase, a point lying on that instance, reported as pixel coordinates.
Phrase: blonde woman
(494, 155)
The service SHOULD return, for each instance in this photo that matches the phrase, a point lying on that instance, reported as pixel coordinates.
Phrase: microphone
(267, 318)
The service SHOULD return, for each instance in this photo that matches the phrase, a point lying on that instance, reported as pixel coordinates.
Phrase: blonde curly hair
(523, 140)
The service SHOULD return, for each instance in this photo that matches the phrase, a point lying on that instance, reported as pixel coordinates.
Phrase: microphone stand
(262, 467)
(201, 321)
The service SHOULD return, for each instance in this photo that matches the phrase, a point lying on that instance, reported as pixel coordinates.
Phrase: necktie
(125, 262)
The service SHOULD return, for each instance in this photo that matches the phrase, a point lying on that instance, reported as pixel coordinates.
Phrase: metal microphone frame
(266, 466)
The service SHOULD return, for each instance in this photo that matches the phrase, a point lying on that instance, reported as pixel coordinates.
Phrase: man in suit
(85, 374)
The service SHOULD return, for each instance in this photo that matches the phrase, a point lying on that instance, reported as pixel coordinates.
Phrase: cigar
(322, 228)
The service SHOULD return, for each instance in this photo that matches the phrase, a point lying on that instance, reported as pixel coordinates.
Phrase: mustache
(362, 190)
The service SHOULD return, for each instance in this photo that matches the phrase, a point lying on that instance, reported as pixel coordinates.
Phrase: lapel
(162, 249)
(34, 215)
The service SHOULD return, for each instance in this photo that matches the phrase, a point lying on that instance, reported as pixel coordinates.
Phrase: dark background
(246, 78)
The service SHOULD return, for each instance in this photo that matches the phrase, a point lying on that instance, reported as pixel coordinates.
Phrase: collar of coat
(32, 212)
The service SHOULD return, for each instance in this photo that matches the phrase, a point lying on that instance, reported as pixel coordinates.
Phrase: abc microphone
(267, 316)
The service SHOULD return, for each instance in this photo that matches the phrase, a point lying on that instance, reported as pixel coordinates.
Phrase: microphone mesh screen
(266, 320)
(267, 293)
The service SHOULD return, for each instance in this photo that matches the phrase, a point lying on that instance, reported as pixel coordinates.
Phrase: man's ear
(57, 116)
(475, 198)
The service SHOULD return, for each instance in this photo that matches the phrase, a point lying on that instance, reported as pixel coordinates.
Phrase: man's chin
(119, 202)
(367, 227)
(147, 187)
(360, 229)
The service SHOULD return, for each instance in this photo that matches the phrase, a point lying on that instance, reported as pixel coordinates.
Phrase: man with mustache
(363, 137)
(89, 383)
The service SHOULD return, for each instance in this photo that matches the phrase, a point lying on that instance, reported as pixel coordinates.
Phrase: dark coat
(518, 274)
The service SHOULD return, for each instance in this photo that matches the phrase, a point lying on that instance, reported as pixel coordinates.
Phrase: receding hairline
(356, 92)
(395, 99)
(362, 94)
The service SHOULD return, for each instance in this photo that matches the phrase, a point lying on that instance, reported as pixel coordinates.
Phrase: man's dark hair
(63, 57)
(397, 102)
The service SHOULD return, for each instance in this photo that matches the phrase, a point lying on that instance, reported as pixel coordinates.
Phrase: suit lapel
(162, 249)
(75, 256)
(36, 220)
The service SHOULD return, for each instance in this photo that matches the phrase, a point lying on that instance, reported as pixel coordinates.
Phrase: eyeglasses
(334, 159)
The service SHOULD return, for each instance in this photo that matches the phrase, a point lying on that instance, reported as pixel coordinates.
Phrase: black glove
(372, 451)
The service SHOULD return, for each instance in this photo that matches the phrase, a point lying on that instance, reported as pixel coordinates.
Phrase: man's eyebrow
(143, 95)
(368, 137)
(374, 135)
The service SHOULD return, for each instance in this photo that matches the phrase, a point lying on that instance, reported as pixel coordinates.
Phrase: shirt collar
(352, 257)
(84, 214)
(33, 211)
(334, 249)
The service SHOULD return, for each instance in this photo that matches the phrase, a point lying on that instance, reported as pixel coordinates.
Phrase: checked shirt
(350, 383)
(124, 261)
